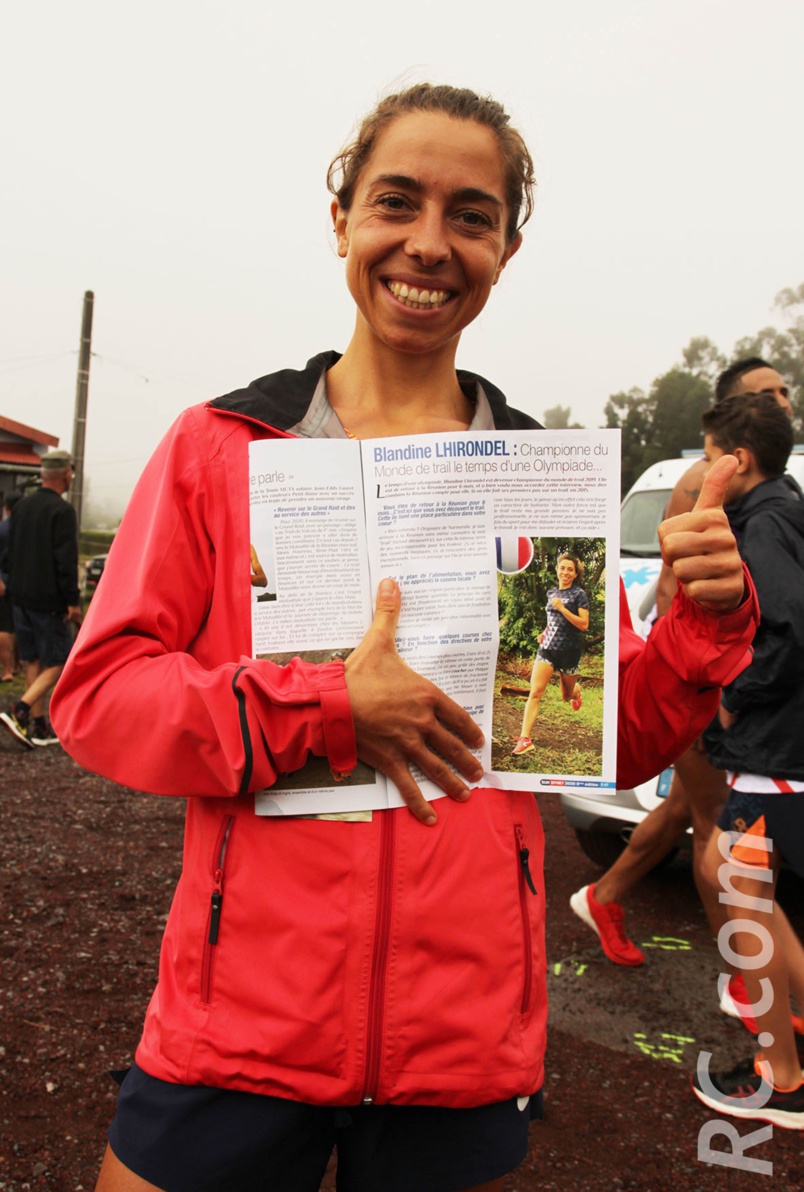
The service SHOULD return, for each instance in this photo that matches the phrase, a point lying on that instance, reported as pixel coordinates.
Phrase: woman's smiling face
(567, 573)
(424, 238)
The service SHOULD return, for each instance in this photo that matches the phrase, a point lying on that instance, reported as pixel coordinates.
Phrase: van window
(639, 520)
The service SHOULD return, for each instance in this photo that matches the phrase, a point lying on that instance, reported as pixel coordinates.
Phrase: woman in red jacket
(379, 985)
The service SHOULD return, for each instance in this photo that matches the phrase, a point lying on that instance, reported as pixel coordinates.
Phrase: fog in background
(171, 157)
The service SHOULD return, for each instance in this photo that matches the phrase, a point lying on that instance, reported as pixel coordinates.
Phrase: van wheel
(604, 848)
(601, 847)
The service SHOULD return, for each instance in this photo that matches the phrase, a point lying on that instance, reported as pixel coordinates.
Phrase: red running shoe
(735, 996)
(606, 918)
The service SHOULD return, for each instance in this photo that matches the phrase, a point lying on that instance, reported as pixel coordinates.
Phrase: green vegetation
(666, 420)
(663, 422)
(566, 742)
(522, 598)
(95, 542)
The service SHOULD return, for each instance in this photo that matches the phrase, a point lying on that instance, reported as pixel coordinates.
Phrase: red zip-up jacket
(327, 962)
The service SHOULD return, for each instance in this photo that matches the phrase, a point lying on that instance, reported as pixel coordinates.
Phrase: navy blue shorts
(190, 1138)
(45, 638)
(566, 662)
(778, 817)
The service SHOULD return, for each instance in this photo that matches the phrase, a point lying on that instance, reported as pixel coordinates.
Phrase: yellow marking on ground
(668, 943)
(579, 966)
(672, 1050)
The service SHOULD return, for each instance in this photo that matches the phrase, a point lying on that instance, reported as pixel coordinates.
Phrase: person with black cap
(43, 583)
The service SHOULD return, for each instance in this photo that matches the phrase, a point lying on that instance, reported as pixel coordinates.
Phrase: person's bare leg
(116, 1177)
(793, 951)
(39, 683)
(708, 881)
(775, 1035)
(706, 790)
(6, 656)
(650, 842)
(32, 673)
(570, 688)
(541, 675)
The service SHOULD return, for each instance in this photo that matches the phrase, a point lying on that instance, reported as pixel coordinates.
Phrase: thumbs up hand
(700, 547)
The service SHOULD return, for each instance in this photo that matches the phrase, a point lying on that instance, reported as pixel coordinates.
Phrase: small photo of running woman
(549, 689)
(560, 646)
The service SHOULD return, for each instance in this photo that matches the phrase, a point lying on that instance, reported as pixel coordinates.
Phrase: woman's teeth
(418, 299)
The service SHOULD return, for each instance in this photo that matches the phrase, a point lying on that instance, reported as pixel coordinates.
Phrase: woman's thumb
(389, 602)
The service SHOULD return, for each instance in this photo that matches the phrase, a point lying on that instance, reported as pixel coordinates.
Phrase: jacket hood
(780, 495)
(280, 400)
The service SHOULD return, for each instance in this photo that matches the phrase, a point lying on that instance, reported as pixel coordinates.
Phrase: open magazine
(470, 525)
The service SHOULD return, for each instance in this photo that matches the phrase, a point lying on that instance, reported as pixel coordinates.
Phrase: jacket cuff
(732, 627)
(295, 710)
(703, 647)
(730, 624)
(337, 725)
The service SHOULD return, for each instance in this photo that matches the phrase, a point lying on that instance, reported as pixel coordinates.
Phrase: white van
(603, 825)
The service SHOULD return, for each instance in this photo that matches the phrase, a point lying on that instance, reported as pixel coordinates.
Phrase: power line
(134, 369)
(22, 362)
(138, 370)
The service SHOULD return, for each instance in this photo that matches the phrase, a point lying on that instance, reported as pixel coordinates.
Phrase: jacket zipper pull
(524, 853)
(215, 916)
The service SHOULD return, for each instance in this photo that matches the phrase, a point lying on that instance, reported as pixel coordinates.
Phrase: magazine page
(310, 592)
(502, 544)
(472, 526)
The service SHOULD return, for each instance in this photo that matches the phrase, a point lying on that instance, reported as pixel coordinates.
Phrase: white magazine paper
(330, 518)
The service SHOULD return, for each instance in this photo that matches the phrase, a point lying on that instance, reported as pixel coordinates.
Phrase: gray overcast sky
(170, 156)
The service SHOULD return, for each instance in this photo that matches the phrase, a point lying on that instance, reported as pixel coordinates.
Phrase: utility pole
(81, 396)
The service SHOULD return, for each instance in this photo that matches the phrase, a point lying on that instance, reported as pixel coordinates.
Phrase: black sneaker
(743, 1093)
(16, 721)
(41, 732)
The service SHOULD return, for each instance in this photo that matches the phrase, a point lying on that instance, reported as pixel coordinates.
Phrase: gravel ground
(88, 875)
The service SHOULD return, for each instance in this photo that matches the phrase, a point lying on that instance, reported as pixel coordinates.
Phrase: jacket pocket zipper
(525, 884)
(215, 907)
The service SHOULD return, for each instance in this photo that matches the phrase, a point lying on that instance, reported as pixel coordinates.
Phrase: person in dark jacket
(43, 583)
(760, 743)
(8, 643)
(697, 790)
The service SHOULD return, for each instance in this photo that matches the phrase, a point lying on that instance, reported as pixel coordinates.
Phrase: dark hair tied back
(461, 104)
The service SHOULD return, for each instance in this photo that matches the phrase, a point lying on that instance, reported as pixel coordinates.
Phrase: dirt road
(88, 874)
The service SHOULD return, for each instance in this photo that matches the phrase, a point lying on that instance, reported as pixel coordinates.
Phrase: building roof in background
(28, 432)
(22, 446)
(28, 458)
